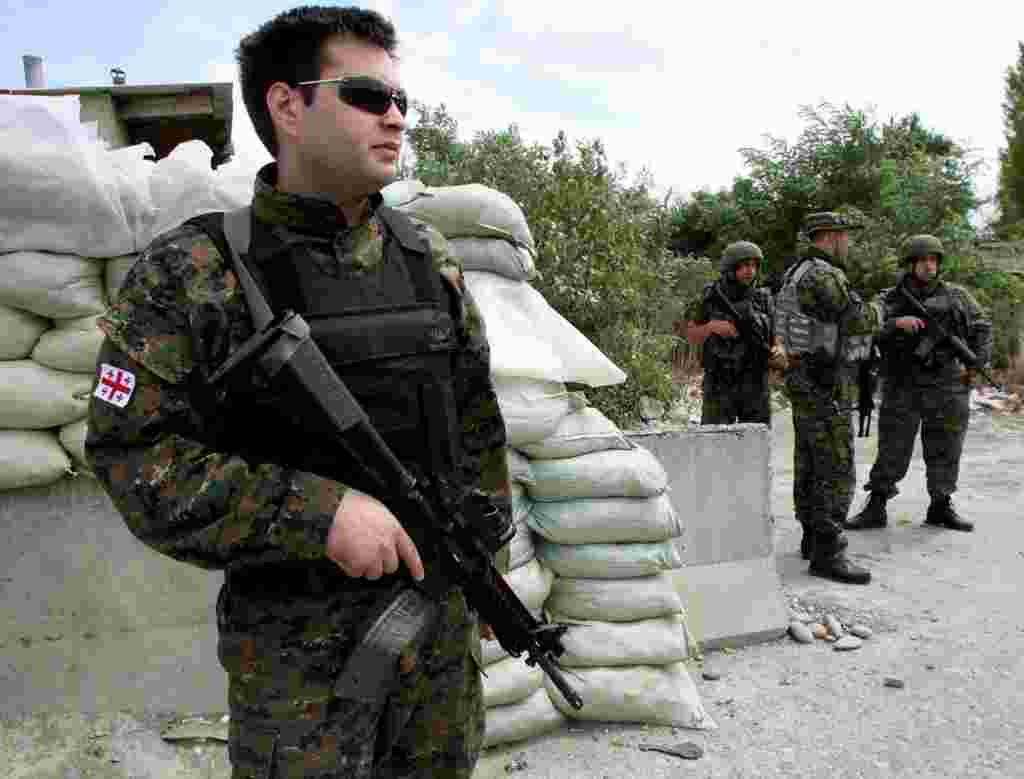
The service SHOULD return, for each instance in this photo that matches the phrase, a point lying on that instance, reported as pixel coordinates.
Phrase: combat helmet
(921, 246)
(827, 220)
(737, 252)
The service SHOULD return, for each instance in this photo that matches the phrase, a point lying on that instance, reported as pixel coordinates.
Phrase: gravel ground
(945, 618)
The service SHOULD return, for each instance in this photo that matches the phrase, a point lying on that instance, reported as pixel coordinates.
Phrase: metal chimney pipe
(35, 75)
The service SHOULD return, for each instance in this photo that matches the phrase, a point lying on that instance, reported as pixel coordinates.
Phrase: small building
(162, 115)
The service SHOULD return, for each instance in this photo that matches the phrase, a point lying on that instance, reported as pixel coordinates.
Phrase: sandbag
(470, 210)
(19, 332)
(596, 643)
(656, 695)
(72, 345)
(132, 171)
(31, 458)
(510, 681)
(60, 286)
(605, 520)
(581, 432)
(72, 438)
(520, 721)
(33, 397)
(494, 255)
(518, 467)
(614, 600)
(114, 273)
(608, 561)
(531, 583)
(529, 338)
(530, 408)
(491, 651)
(59, 194)
(634, 473)
(521, 549)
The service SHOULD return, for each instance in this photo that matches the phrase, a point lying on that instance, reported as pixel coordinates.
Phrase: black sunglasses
(366, 93)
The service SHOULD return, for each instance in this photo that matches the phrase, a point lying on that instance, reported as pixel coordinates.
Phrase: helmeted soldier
(925, 385)
(233, 478)
(734, 322)
(826, 330)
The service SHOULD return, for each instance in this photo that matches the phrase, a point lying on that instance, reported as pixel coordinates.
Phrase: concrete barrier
(93, 620)
(720, 481)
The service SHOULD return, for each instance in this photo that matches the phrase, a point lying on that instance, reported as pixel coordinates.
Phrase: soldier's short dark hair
(289, 48)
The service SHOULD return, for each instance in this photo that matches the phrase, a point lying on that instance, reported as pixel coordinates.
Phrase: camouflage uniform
(823, 394)
(735, 369)
(926, 394)
(287, 615)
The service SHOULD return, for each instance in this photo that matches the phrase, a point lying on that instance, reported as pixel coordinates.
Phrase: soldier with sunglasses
(308, 558)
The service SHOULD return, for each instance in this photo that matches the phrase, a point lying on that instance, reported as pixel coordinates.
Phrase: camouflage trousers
(824, 471)
(745, 399)
(283, 650)
(942, 414)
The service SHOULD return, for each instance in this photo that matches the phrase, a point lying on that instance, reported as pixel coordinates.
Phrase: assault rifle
(867, 384)
(455, 524)
(936, 334)
(745, 325)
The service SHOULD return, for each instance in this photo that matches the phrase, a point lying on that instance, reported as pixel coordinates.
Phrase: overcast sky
(674, 87)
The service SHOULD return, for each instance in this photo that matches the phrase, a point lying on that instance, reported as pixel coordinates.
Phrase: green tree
(1010, 194)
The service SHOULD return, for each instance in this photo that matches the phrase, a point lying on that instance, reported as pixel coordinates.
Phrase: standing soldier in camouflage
(925, 385)
(230, 481)
(734, 322)
(826, 330)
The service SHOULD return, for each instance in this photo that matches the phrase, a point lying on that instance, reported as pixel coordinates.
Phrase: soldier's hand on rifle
(723, 328)
(967, 376)
(777, 359)
(910, 324)
(367, 541)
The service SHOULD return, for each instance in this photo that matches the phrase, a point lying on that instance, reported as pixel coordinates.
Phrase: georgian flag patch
(115, 386)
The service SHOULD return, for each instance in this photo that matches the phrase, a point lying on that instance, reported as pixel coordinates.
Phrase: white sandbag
(235, 180)
(183, 186)
(595, 643)
(524, 720)
(19, 332)
(58, 196)
(33, 397)
(471, 210)
(114, 273)
(608, 561)
(494, 255)
(60, 286)
(614, 600)
(70, 346)
(531, 408)
(613, 473)
(664, 695)
(72, 438)
(31, 458)
(605, 520)
(398, 193)
(510, 681)
(521, 549)
(518, 467)
(529, 338)
(581, 432)
(132, 171)
(531, 583)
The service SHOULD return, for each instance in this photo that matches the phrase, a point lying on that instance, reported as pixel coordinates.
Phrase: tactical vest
(805, 336)
(921, 351)
(729, 357)
(390, 332)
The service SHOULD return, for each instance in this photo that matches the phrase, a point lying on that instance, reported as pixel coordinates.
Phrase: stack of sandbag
(73, 219)
(605, 526)
(69, 206)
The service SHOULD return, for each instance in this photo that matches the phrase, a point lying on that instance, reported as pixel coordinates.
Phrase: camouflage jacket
(179, 313)
(825, 294)
(956, 311)
(729, 358)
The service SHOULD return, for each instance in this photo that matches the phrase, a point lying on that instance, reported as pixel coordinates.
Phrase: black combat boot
(873, 514)
(942, 514)
(829, 561)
